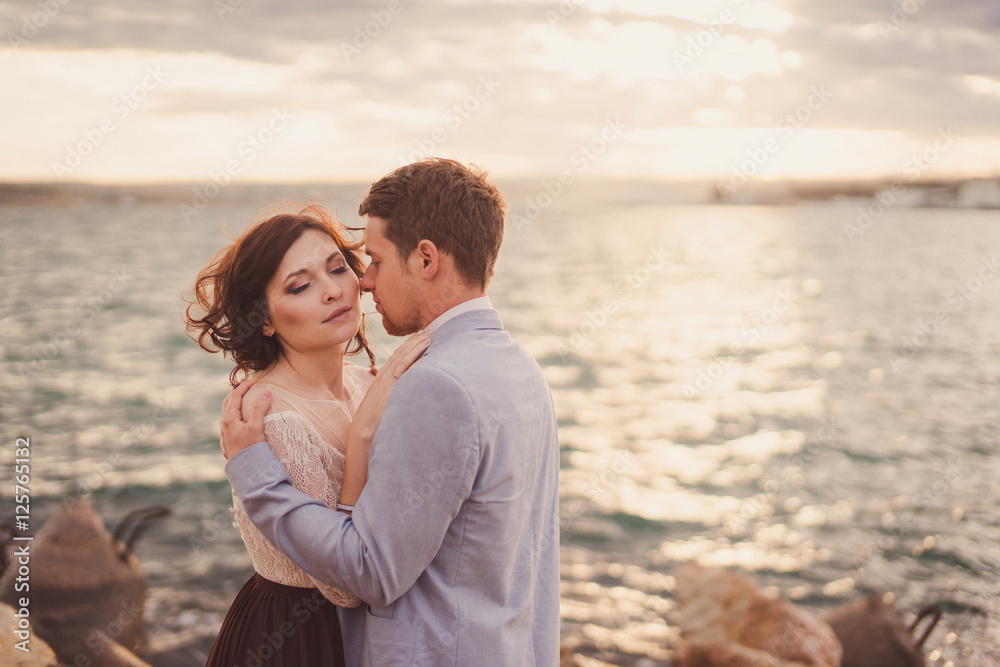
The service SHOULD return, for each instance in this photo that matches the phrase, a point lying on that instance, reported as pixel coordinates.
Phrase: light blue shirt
(478, 303)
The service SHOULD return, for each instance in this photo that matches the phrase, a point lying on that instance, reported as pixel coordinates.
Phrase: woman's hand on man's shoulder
(243, 412)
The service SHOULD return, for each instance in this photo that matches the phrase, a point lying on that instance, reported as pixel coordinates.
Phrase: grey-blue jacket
(454, 542)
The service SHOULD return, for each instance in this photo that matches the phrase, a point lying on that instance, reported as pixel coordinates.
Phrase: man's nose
(368, 280)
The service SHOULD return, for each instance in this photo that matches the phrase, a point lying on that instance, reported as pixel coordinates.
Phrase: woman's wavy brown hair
(231, 290)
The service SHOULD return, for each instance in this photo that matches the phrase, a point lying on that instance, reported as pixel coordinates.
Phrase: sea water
(771, 389)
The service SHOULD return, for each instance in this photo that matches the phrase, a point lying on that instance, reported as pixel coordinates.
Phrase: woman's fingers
(232, 405)
(237, 433)
(257, 410)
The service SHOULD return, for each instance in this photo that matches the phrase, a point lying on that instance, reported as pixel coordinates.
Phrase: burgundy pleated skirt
(273, 625)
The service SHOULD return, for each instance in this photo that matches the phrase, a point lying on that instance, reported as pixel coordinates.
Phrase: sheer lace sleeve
(317, 469)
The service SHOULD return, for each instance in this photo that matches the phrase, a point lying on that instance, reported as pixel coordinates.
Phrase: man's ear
(427, 253)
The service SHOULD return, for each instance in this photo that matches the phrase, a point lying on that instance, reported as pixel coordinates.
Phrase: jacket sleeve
(423, 463)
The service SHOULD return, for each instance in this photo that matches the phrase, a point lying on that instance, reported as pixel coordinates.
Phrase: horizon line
(623, 178)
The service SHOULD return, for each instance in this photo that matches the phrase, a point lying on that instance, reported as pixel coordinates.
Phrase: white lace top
(309, 437)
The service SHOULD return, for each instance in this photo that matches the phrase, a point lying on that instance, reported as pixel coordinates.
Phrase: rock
(38, 655)
(88, 591)
(873, 633)
(727, 622)
(566, 654)
(569, 658)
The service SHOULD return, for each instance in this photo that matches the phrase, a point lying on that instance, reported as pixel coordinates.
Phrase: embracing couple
(406, 515)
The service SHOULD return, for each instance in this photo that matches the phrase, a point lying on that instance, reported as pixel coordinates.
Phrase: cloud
(388, 75)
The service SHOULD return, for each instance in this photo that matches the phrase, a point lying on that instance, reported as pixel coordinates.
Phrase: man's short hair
(447, 203)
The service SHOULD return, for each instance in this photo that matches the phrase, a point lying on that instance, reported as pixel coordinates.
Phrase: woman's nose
(333, 290)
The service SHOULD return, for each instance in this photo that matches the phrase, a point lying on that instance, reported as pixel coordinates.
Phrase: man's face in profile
(391, 282)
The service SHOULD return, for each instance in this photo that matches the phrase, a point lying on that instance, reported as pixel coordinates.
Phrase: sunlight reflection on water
(737, 385)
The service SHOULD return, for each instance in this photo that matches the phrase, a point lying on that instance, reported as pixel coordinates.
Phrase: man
(454, 542)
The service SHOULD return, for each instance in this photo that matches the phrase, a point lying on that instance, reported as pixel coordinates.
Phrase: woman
(284, 301)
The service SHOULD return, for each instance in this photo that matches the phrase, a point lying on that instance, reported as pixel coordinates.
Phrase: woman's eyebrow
(333, 255)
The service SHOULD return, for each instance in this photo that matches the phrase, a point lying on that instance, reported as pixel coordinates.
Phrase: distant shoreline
(975, 193)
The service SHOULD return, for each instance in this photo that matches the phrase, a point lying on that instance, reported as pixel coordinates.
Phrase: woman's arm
(365, 422)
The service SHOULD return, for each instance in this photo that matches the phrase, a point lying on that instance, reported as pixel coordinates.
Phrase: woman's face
(314, 298)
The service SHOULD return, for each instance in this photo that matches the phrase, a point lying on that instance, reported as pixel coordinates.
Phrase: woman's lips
(338, 315)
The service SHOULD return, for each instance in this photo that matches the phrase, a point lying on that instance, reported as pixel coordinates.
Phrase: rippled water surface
(745, 386)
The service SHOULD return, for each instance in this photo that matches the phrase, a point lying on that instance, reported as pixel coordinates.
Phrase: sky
(312, 90)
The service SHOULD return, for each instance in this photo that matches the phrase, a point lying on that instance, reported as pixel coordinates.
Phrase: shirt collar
(478, 303)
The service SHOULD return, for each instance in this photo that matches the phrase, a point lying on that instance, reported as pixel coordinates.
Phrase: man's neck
(447, 298)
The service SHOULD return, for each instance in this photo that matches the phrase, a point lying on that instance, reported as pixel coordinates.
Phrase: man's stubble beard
(393, 328)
